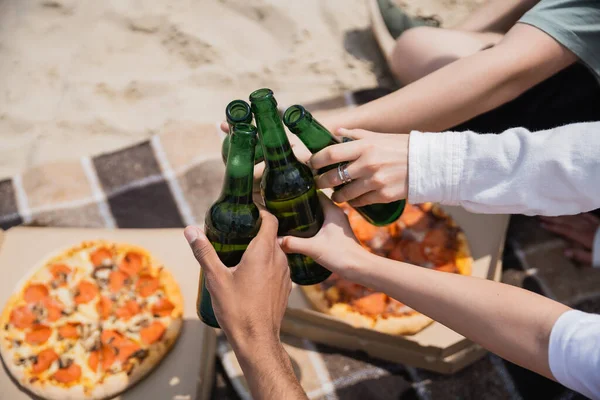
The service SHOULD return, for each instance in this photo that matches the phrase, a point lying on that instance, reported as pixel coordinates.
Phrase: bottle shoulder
(231, 218)
(287, 181)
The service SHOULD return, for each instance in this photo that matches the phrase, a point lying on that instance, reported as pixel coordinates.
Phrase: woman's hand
(378, 167)
(335, 247)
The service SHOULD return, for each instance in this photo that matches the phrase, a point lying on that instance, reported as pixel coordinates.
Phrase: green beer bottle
(316, 137)
(238, 111)
(233, 220)
(288, 187)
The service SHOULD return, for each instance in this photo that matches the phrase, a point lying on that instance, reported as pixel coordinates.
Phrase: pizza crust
(113, 384)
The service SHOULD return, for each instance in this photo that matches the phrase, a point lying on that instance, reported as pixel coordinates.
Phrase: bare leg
(420, 51)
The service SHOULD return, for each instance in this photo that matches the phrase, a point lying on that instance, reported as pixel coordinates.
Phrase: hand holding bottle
(378, 167)
(244, 305)
(345, 257)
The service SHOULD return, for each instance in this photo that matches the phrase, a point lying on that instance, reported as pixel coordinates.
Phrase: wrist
(358, 265)
(249, 340)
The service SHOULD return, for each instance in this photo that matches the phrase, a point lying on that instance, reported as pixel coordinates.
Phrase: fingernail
(280, 241)
(191, 234)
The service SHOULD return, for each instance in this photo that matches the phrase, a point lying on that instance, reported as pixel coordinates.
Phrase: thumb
(203, 251)
(292, 244)
(354, 134)
(225, 127)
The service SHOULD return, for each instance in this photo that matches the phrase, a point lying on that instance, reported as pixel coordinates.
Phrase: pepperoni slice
(108, 357)
(108, 336)
(147, 285)
(116, 281)
(125, 348)
(152, 332)
(22, 317)
(415, 218)
(104, 307)
(69, 374)
(94, 360)
(397, 253)
(436, 237)
(440, 255)
(450, 267)
(100, 255)
(69, 331)
(86, 292)
(363, 230)
(131, 264)
(44, 359)
(38, 334)
(58, 269)
(413, 252)
(127, 311)
(60, 273)
(35, 293)
(373, 304)
(54, 308)
(163, 308)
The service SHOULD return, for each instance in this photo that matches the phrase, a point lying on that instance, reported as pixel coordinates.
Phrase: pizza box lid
(437, 347)
(187, 372)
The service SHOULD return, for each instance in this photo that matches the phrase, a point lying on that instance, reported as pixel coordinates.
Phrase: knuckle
(201, 250)
(379, 179)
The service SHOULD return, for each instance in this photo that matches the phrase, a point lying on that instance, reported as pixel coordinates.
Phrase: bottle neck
(239, 172)
(314, 135)
(276, 146)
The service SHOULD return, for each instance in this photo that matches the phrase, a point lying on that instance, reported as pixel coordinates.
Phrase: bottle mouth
(261, 94)
(238, 111)
(293, 115)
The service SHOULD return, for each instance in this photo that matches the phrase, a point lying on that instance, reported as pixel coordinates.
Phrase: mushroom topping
(64, 362)
(137, 323)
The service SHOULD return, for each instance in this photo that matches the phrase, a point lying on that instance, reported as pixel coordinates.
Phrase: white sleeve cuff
(596, 250)
(574, 352)
(435, 166)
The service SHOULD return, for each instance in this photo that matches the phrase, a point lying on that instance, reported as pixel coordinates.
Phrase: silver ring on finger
(343, 173)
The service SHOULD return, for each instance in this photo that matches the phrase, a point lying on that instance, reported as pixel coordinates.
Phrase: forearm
(511, 322)
(268, 369)
(440, 100)
(465, 88)
(519, 172)
(496, 15)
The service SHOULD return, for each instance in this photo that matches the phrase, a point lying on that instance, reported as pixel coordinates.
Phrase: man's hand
(378, 166)
(249, 301)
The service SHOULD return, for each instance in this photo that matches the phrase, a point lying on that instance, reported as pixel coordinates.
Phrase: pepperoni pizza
(90, 322)
(426, 236)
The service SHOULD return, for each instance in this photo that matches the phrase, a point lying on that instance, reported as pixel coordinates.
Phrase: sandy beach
(83, 77)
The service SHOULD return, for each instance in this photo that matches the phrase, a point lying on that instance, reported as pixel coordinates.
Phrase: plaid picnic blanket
(171, 180)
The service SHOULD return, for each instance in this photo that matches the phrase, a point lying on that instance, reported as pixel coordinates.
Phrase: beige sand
(79, 77)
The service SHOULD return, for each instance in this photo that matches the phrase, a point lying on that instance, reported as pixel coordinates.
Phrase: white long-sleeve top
(552, 172)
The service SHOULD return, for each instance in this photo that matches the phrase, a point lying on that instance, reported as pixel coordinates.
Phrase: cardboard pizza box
(187, 372)
(436, 348)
